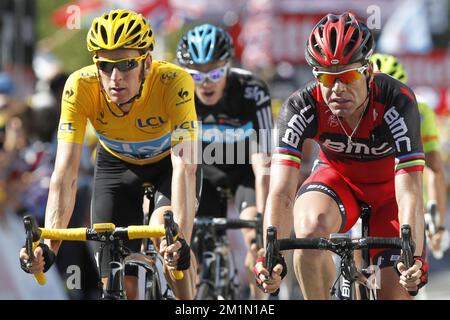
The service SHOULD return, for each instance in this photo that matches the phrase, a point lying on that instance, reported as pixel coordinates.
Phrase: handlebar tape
(40, 277)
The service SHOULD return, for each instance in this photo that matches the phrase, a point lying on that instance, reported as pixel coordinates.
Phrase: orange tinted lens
(346, 77)
(349, 76)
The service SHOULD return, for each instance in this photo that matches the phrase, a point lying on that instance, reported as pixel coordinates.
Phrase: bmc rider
(137, 107)
(367, 126)
(231, 104)
(434, 166)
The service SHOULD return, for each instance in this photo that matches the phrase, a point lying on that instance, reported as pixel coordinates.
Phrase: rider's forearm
(261, 170)
(437, 190)
(262, 191)
(183, 197)
(60, 204)
(279, 213)
(408, 190)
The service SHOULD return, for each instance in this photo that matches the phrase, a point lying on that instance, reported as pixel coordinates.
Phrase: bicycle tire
(153, 285)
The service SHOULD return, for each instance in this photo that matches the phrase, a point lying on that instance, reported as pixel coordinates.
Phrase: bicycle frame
(218, 265)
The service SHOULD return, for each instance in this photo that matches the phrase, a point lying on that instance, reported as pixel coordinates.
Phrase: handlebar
(339, 243)
(228, 224)
(101, 232)
(225, 223)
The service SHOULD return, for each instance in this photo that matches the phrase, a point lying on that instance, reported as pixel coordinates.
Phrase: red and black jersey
(386, 142)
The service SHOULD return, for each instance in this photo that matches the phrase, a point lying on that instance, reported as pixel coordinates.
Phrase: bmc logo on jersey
(398, 129)
(256, 93)
(296, 127)
(357, 148)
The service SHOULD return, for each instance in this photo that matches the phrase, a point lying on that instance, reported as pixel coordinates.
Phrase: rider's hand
(38, 263)
(180, 254)
(438, 242)
(414, 278)
(267, 284)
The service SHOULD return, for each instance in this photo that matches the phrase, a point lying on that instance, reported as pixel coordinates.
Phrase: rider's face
(121, 85)
(344, 98)
(210, 92)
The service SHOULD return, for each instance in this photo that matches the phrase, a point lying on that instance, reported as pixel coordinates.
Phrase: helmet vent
(133, 41)
(114, 15)
(136, 30)
(104, 34)
(333, 38)
(118, 33)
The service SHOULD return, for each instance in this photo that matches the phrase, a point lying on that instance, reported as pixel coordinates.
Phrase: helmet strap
(119, 105)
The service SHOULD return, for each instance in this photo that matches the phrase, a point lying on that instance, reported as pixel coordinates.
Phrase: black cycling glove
(49, 258)
(184, 262)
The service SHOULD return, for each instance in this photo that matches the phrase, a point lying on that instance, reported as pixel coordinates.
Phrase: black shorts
(239, 179)
(118, 195)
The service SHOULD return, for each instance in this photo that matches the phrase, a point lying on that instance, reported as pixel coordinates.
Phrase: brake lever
(271, 248)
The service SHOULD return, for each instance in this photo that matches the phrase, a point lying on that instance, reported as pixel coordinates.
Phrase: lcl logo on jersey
(150, 122)
(166, 77)
(66, 126)
(187, 125)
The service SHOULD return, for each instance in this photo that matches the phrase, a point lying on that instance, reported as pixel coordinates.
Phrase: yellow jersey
(161, 117)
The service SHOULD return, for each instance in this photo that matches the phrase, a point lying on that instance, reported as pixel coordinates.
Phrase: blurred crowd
(27, 154)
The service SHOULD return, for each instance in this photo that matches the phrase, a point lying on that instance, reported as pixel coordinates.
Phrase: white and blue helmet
(204, 44)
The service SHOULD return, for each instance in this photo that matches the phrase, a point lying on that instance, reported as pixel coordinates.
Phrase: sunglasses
(214, 75)
(347, 76)
(123, 65)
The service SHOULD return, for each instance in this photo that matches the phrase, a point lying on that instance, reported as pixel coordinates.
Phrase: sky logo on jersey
(138, 150)
(256, 93)
(66, 127)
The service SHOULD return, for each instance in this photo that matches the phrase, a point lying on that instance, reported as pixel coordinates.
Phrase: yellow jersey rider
(144, 116)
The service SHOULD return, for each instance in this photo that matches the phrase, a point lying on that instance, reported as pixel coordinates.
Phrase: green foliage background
(72, 52)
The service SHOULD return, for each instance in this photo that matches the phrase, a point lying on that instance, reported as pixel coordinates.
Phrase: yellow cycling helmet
(120, 29)
(390, 65)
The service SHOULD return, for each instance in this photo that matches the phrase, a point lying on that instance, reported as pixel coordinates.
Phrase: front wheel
(152, 285)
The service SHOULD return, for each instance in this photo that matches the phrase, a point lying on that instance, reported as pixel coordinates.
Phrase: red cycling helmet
(339, 40)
